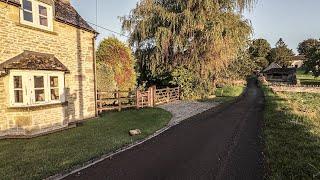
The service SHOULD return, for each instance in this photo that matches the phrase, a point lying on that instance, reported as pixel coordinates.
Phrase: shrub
(105, 77)
(115, 57)
(192, 86)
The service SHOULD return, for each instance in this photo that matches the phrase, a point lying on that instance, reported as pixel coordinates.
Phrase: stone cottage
(47, 67)
(297, 61)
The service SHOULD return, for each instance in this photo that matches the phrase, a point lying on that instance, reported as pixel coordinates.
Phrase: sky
(292, 20)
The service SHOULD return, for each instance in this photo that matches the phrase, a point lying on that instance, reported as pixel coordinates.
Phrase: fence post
(137, 98)
(179, 91)
(152, 93)
(119, 100)
(168, 94)
(99, 103)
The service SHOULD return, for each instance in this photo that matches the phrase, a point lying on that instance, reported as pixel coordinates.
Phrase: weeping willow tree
(201, 36)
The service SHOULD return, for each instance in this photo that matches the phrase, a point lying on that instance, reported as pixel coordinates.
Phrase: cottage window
(18, 90)
(43, 16)
(27, 10)
(37, 14)
(32, 88)
(54, 87)
(39, 89)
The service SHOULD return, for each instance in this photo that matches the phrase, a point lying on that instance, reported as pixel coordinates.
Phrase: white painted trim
(36, 15)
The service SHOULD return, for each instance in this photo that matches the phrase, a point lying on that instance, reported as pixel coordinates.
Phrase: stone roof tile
(29, 60)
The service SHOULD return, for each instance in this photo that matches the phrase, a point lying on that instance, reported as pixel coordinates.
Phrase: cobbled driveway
(182, 110)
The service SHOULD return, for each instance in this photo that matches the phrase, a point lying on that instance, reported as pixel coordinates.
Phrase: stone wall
(73, 47)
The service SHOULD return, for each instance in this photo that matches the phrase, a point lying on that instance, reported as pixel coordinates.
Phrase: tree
(258, 51)
(308, 48)
(313, 62)
(259, 48)
(200, 35)
(242, 68)
(261, 62)
(305, 46)
(115, 66)
(311, 49)
(105, 77)
(281, 54)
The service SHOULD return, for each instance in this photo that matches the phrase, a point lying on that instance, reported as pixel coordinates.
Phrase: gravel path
(222, 143)
(182, 110)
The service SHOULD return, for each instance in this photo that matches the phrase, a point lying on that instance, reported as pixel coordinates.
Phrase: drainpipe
(95, 73)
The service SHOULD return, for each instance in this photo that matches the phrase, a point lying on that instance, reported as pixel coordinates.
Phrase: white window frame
(29, 88)
(36, 15)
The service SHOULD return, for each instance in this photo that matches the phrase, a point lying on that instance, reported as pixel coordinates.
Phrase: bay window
(32, 88)
(37, 14)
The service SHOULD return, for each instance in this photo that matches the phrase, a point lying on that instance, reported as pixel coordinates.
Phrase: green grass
(226, 94)
(292, 135)
(47, 155)
(307, 79)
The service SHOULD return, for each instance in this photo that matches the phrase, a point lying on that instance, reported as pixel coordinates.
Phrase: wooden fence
(118, 100)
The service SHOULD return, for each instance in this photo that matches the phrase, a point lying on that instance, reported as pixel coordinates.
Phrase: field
(307, 79)
(41, 157)
(292, 135)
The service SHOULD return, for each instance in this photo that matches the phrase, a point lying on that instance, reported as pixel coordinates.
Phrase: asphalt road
(223, 143)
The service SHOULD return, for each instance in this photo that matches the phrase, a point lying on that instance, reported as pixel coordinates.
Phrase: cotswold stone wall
(73, 47)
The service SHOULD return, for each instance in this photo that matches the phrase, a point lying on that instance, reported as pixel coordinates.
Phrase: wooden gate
(118, 100)
(144, 99)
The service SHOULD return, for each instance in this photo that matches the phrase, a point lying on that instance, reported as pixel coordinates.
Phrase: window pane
(27, 16)
(27, 5)
(38, 82)
(43, 21)
(18, 96)
(17, 82)
(39, 95)
(55, 94)
(42, 10)
(54, 81)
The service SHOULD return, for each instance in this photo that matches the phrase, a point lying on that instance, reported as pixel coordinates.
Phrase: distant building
(297, 61)
(272, 66)
(276, 74)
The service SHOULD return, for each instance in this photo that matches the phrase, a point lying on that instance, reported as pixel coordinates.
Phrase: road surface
(223, 143)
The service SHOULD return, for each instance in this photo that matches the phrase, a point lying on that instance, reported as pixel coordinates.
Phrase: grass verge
(44, 156)
(226, 94)
(292, 135)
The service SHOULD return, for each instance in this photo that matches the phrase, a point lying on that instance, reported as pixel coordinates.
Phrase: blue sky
(293, 20)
